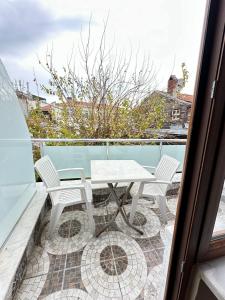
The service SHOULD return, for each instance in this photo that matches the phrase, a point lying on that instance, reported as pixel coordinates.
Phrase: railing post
(160, 149)
(41, 148)
(107, 150)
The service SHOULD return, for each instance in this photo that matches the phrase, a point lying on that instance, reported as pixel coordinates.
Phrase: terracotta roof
(186, 97)
(173, 98)
(85, 104)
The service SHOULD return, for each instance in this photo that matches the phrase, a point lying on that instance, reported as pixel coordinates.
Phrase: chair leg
(55, 215)
(135, 202)
(133, 207)
(161, 200)
(90, 217)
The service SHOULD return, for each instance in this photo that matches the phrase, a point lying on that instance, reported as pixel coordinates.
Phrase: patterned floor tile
(69, 294)
(53, 283)
(152, 259)
(145, 219)
(38, 263)
(72, 279)
(57, 262)
(31, 288)
(156, 241)
(73, 259)
(63, 241)
(123, 275)
(145, 244)
(153, 287)
(172, 205)
(119, 264)
(100, 211)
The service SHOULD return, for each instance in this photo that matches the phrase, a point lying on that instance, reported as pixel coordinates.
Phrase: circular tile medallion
(139, 219)
(113, 266)
(71, 233)
(69, 228)
(110, 260)
(145, 219)
(69, 294)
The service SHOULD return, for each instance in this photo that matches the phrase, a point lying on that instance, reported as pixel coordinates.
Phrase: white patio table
(113, 172)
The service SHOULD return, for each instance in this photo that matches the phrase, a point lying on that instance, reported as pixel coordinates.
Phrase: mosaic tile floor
(120, 264)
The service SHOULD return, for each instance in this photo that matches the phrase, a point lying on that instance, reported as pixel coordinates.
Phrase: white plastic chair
(63, 195)
(164, 173)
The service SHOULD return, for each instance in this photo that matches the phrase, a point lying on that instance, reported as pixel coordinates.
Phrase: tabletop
(112, 171)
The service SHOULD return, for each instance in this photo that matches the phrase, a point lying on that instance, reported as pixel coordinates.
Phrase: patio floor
(120, 264)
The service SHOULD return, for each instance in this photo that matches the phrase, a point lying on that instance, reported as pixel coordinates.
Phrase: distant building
(177, 108)
(29, 101)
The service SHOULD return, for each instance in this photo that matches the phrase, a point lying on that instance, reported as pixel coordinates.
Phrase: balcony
(122, 259)
(119, 264)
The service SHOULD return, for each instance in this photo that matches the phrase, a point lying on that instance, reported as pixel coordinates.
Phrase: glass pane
(142, 89)
(219, 227)
(80, 156)
(74, 157)
(17, 181)
(145, 155)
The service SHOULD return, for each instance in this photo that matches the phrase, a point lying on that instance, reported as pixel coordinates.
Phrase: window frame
(204, 167)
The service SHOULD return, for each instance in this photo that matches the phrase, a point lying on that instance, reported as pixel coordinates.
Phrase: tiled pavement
(120, 264)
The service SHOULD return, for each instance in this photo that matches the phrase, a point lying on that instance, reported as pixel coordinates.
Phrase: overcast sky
(168, 31)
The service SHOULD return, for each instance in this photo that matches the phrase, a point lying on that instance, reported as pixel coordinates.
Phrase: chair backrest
(165, 170)
(47, 171)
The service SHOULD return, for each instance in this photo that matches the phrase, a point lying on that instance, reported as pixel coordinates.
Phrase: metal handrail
(45, 140)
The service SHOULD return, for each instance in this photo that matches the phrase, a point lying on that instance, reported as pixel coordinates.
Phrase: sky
(169, 32)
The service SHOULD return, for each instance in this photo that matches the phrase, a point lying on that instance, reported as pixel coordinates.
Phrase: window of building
(175, 114)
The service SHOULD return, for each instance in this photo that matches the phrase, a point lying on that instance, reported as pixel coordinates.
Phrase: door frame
(202, 184)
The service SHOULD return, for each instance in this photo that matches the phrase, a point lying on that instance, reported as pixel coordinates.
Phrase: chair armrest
(149, 167)
(159, 182)
(67, 187)
(81, 171)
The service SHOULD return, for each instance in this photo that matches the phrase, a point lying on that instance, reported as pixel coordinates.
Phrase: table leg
(120, 208)
(115, 214)
(106, 201)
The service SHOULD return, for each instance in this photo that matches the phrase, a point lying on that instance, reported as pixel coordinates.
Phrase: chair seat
(150, 189)
(95, 186)
(72, 196)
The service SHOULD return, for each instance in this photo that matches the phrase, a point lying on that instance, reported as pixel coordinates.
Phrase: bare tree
(103, 101)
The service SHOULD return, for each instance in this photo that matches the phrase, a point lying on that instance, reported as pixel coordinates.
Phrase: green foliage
(40, 125)
(185, 73)
(185, 77)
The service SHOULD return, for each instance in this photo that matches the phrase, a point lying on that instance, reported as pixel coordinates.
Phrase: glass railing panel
(144, 154)
(17, 180)
(80, 156)
(176, 151)
(74, 157)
